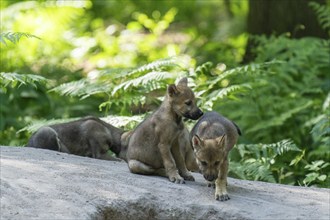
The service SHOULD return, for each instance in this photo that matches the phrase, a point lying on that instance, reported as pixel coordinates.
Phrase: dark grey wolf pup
(89, 136)
(212, 138)
(154, 147)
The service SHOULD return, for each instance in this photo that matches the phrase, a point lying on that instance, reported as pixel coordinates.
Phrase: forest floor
(43, 184)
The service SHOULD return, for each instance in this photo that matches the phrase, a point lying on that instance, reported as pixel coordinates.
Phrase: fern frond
(14, 37)
(150, 79)
(124, 121)
(126, 100)
(256, 160)
(16, 80)
(251, 170)
(284, 146)
(323, 14)
(205, 69)
(224, 92)
(153, 66)
(250, 68)
(71, 89)
(267, 151)
(258, 170)
(279, 120)
(81, 88)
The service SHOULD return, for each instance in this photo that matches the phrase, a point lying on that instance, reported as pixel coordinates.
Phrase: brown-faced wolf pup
(154, 146)
(212, 138)
(89, 136)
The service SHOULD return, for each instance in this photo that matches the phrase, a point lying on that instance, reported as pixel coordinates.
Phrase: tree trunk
(282, 16)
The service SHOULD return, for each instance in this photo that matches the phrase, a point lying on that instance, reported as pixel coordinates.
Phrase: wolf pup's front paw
(211, 184)
(177, 179)
(222, 197)
(189, 177)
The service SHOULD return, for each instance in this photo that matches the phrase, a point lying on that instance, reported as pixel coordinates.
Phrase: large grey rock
(42, 184)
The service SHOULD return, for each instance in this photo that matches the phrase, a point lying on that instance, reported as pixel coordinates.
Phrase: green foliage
(14, 37)
(323, 15)
(214, 84)
(16, 80)
(114, 60)
(318, 174)
(262, 161)
(128, 86)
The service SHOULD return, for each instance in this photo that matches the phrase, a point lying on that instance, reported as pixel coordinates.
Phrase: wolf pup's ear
(197, 142)
(172, 90)
(183, 82)
(221, 140)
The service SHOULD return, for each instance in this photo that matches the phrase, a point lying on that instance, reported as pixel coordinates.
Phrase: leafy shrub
(280, 101)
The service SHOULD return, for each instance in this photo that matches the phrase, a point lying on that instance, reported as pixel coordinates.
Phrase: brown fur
(213, 137)
(154, 146)
(187, 152)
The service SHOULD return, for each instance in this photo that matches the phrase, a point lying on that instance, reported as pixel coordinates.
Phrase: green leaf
(15, 37)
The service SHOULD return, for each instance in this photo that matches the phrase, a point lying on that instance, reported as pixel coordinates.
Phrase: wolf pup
(89, 136)
(212, 138)
(154, 147)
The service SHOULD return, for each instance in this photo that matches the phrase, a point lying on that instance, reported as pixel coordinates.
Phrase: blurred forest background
(263, 64)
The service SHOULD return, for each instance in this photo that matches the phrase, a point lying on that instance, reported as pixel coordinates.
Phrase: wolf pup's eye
(188, 102)
(204, 163)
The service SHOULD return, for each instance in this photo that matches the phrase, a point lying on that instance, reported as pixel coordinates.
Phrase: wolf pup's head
(182, 100)
(209, 154)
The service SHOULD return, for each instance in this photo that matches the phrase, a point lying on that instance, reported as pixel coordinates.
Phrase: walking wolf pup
(154, 146)
(212, 138)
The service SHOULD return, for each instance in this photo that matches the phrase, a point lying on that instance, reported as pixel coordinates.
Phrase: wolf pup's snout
(197, 114)
(210, 177)
(194, 115)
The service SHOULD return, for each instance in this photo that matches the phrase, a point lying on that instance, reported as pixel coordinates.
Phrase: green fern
(258, 161)
(155, 65)
(211, 98)
(125, 122)
(323, 14)
(16, 80)
(125, 87)
(14, 37)
(149, 80)
(81, 88)
(252, 68)
(278, 120)
(214, 84)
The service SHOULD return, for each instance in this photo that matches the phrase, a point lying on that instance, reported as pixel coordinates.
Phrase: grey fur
(212, 125)
(212, 138)
(89, 136)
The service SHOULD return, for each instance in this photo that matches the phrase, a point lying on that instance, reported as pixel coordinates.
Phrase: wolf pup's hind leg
(141, 168)
(45, 138)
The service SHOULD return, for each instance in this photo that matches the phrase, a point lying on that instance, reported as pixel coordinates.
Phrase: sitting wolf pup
(154, 147)
(89, 136)
(187, 151)
(213, 137)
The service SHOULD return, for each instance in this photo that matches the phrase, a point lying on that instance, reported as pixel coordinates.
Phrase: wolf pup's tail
(238, 130)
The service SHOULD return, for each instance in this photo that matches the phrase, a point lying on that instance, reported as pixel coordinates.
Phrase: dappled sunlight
(62, 60)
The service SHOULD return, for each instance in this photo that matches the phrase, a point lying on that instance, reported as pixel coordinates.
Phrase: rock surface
(43, 184)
